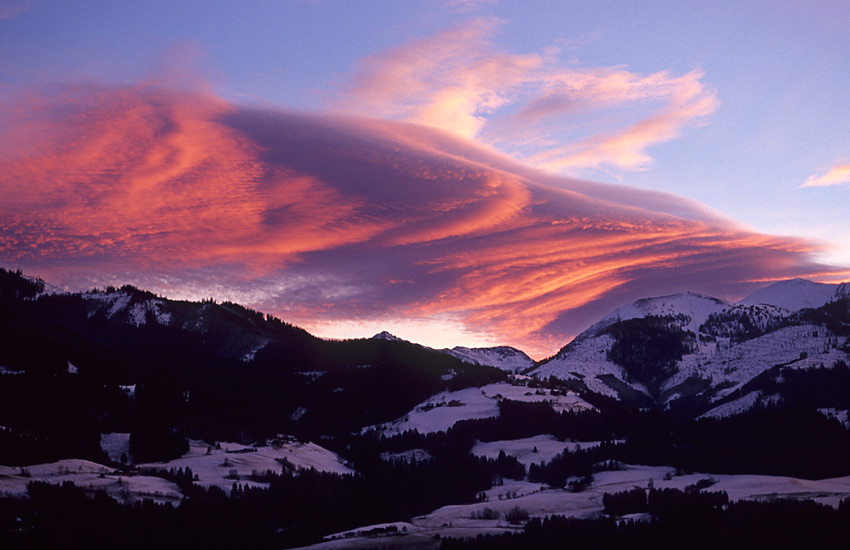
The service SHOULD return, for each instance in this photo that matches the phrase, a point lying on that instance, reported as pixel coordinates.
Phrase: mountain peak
(794, 294)
(384, 335)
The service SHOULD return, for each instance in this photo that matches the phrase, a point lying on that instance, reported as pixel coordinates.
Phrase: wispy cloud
(14, 8)
(837, 175)
(557, 116)
(324, 219)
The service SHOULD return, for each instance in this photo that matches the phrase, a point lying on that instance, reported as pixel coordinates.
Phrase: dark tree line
(649, 347)
(665, 503)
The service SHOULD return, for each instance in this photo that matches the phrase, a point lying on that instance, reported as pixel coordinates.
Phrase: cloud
(559, 117)
(14, 8)
(326, 219)
(838, 174)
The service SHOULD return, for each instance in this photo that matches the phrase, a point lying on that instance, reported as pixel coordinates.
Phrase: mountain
(250, 427)
(686, 351)
(697, 353)
(199, 368)
(502, 357)
(505, 358)
(654, 333)
(794, 294)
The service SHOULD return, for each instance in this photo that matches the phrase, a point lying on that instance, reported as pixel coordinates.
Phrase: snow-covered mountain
(588, 361)
(502, 357)
(795, 294)
(654, 351)
(384, 335)
(659, 350)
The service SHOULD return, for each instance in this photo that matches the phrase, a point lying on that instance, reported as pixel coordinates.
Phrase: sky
(455, 172)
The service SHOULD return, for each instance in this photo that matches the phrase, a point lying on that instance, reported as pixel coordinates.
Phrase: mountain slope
(793, 295)
(505, 358)
(695, 349)
(502, 357)
(591, 360)
(203, 369)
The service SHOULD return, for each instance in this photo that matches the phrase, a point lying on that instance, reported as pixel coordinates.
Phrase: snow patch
(313, 375)
(742, 404)
(377, 530)
(139, 312)
(91, 477)
(251, 353)
(441, 411)
(838, 414)
(227, 463)
(7, 370)
(47, 288)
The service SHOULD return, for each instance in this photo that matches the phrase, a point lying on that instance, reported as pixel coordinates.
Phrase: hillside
(205, 370)
(204, 418)
(696, 352)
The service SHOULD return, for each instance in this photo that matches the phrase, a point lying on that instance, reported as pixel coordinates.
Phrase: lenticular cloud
(324, 219)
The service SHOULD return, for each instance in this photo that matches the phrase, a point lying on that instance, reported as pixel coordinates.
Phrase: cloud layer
(324, 219)
(558, 117)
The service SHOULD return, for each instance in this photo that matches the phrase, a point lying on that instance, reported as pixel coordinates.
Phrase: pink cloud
(531, 105)
(14, 8)
(837, 175)
(322, 219)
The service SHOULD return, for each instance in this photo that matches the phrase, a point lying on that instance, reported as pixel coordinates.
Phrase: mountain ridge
(651, 352)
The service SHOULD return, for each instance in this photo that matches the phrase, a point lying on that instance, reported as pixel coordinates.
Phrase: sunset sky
(455, 172)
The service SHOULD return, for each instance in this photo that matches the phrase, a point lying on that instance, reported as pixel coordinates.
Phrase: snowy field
(524, 449)
(219, 466)
(227, 463)
(460, 520)
(440, 412)
(230, 463)
(91, 477)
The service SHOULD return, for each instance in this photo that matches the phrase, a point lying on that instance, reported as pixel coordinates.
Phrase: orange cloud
(324, 219)
(147, 173)
(530, 105)
(838, 174)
